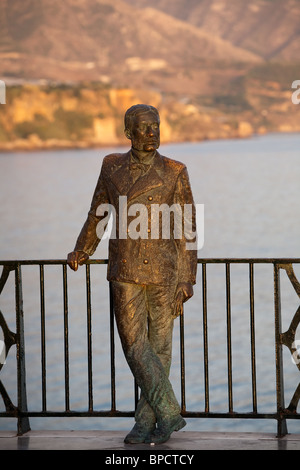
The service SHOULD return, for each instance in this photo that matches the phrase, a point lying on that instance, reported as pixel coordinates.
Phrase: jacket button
(150, 198)
(124, 260)
(146, 261)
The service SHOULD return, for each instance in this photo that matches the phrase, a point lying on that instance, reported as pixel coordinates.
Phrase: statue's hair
(132, 112)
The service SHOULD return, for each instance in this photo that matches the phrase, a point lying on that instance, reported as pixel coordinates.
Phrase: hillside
(91, 114)
(267, 28)
(72, 67)
(102, 39)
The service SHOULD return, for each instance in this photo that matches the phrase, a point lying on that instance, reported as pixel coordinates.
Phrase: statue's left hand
(184, 291)
(76, 258)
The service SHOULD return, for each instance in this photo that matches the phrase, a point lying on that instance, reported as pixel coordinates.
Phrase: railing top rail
(48, 261)
(200, 260)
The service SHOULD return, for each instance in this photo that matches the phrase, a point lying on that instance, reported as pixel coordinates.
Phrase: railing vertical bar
(205, 336)
(43, 336)
(136, 394)
(252, 335)
(182, 362)
(229, 344)
(23, 421)
(89, 337)
(281, 422)
(112, 350)
(66, 339)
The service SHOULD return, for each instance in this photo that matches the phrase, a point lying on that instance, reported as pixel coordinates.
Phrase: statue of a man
(151, 274)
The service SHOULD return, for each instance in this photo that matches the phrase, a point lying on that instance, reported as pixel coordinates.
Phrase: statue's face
(145, 135)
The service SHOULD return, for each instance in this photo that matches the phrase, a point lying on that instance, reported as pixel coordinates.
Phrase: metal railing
(21, 411)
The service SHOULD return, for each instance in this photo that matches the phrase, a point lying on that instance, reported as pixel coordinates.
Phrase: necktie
(138, 169)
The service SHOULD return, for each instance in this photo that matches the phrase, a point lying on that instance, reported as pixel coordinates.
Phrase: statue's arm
(88, 240)
(76, 258)
(187, 259)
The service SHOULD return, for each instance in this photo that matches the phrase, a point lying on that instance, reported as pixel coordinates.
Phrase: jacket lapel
(152, 179)
(123, 181)
(121, 178)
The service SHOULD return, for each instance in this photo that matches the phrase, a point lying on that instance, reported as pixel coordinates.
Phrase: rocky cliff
(89, 114)
(215, 69)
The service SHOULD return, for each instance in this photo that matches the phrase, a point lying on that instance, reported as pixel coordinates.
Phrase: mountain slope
(84, 39)
(267, 28)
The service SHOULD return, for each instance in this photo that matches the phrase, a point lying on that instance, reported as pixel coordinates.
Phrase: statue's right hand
(76, 258)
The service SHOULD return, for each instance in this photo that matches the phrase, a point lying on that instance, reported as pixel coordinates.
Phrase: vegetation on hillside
(91, 114)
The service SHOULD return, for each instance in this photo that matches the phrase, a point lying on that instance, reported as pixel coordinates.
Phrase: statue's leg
(131, 311)
(160, 332)
(160, 324)
(161, 320)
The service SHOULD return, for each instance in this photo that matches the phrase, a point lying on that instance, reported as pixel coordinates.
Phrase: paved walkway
(113, 441)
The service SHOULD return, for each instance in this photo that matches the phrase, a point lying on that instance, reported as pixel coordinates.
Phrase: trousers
(145, 324)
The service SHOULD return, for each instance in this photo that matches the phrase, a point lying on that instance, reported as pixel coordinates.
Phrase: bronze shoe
(139, 433)
(164, 430)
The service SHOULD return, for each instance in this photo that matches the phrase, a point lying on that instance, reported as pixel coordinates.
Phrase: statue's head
(142, 127)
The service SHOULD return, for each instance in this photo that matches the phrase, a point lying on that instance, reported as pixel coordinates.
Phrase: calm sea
(251, 192)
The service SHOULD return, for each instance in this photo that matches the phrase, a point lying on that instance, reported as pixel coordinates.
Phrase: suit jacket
(156, 261)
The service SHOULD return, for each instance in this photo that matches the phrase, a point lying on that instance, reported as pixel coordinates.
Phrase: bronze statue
(151, 275)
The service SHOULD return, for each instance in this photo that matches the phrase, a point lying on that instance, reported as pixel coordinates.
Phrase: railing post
(66, 339)
(281, 421)
(182, 362)
(112, 349)
(23, 421)
(43, 337)
(89, 336)
(252, 337)
(229, 344)
(205, 337)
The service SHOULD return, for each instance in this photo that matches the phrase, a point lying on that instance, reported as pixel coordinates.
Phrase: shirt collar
(149, 161)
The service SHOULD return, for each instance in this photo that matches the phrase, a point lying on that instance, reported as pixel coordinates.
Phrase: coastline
(36, 145)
